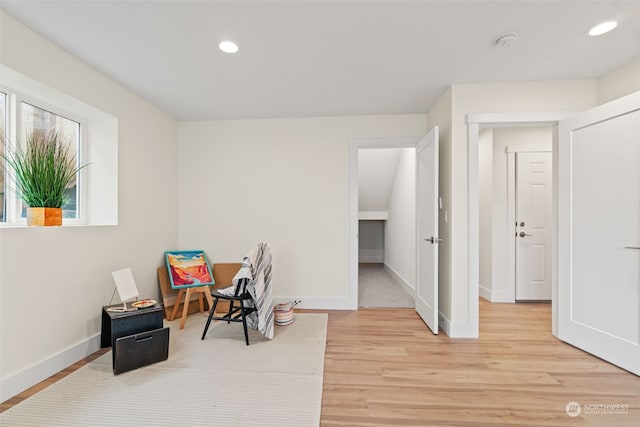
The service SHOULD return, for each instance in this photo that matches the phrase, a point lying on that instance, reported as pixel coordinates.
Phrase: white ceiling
(377, 168)
(320, 58)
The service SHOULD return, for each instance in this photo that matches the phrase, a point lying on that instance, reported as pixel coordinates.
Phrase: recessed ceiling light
(602, 28)
(228, 46)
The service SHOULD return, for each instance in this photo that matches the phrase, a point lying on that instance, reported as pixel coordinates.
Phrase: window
(20, 117)
(28, 104)
(37, 118)
(3, 121)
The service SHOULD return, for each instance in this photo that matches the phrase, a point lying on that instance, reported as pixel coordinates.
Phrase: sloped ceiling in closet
(376, 172)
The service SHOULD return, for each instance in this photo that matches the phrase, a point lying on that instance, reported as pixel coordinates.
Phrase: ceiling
(377, 168)
(328, 58)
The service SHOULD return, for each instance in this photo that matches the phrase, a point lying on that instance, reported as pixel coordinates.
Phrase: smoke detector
(506, 39)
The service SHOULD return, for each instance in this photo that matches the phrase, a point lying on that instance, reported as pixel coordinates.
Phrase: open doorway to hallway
(515, 213)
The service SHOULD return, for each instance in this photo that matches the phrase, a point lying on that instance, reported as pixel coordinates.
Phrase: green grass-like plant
(43, 170)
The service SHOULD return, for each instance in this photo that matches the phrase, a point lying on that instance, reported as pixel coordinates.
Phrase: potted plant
(42, 173)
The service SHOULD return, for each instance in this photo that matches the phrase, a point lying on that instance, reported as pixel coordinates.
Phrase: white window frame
(100, 149)
(7, 178)
(15, 98)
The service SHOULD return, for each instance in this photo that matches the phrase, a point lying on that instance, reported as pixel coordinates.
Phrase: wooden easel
(185, 303)
(222, 274)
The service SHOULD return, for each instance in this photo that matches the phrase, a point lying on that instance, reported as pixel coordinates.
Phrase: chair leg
(207, 295)
(244, 322)
(213, 309)
(231, 305)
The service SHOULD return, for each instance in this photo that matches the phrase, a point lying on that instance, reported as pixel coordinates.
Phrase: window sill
(78, 225)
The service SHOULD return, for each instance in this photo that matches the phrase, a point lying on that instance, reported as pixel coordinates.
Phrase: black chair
(235, 313)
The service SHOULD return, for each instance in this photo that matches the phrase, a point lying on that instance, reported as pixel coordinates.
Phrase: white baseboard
(28, 377)
(444, 324)
(462, 330)
(371, 256)
(456, 330)
(502, 297)
(400, 280)
(494, 296)
(370, 259)
(484, 292)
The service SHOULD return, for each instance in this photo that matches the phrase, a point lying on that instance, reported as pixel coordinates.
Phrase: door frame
(476, 121)
(356, 144)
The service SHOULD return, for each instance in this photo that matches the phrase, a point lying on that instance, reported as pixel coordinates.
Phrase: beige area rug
(216, 382)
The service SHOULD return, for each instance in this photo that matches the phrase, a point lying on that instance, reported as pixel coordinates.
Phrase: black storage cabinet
(137, 337)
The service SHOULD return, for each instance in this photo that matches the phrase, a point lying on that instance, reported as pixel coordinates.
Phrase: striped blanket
(256, 267)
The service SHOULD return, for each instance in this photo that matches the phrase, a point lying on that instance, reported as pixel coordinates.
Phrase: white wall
(400, 230)
(371, 241)
(485, 207)
(285, 181)
(55, 280)
(619, 82)
(576, 95)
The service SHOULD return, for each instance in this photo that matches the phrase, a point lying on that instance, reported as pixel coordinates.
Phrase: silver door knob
(433, 240)
(523, 234)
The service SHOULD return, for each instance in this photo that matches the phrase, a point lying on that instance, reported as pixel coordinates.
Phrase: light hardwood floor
(384, 368)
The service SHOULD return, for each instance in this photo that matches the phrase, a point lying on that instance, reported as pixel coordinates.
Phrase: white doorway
(588, 246)
(501, 120)
(404, 274)
(507, 258)
(428, 144)
(386, 202)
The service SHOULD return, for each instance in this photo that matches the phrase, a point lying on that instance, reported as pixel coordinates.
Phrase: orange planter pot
(44, 216)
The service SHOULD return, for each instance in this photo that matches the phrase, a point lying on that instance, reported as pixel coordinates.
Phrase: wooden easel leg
(207, 293)
(176, 304)
(185, 304)
(200, 301)
(185, 308)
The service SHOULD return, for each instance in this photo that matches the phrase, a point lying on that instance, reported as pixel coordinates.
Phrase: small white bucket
(283, 313)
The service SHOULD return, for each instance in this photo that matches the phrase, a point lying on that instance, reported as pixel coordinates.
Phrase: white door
(533, 226)
(426, 297)
(599, 231)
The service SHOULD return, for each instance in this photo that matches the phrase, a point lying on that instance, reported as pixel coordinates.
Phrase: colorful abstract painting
(188, 269)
